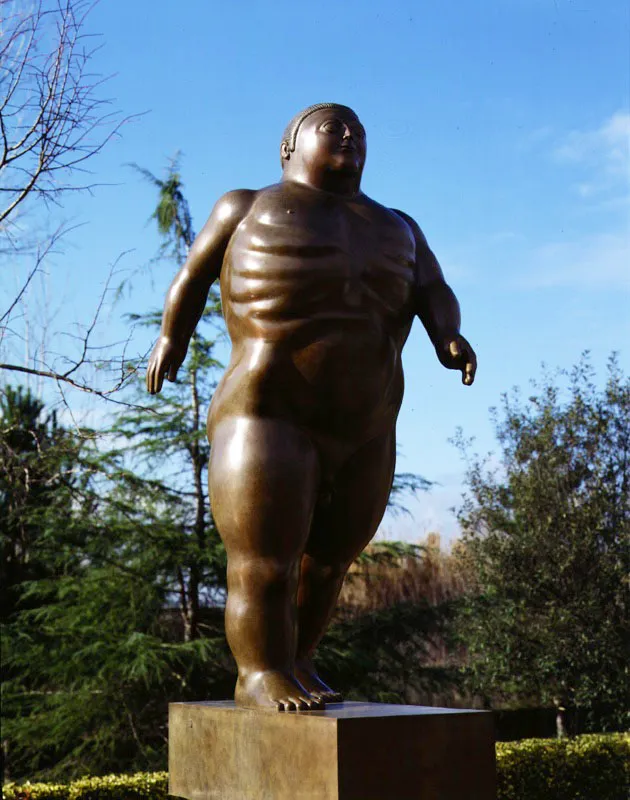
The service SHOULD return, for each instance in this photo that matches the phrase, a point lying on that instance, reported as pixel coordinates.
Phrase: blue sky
(502, 127)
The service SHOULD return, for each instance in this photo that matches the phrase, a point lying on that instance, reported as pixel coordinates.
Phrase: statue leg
(343, 525)
(263, 476)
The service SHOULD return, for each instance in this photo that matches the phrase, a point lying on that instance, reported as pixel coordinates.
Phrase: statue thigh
(263, 479)
(349, 519)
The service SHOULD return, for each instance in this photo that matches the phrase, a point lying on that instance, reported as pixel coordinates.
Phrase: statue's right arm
(188, 293)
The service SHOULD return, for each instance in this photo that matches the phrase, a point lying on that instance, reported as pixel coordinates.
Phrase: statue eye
(331, 126)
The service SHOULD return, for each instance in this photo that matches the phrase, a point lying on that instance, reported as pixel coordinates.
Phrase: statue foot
(307, 675)
(274, 690)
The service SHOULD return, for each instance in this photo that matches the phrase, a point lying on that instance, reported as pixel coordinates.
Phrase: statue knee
(262, 574)
(326, 571)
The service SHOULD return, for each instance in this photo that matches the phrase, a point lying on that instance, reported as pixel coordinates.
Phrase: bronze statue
(320, 285)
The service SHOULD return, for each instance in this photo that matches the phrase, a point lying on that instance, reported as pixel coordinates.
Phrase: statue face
(333, 140)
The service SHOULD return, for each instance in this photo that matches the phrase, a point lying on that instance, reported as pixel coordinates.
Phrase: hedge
(589, 767)
(151, 785)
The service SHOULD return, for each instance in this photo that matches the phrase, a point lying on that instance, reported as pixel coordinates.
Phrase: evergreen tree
(92, 653)
(95, 653)
(38, 460)
(548, 536)
(170, 438)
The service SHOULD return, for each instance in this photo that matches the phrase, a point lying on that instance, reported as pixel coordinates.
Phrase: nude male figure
(320, 285)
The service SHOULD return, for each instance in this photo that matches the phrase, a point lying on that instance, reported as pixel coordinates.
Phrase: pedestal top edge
(347, 710)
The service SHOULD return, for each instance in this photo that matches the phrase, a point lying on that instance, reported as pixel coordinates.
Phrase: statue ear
(285, 152)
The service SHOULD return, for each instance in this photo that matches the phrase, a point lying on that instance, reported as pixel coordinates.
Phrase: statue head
(323, 140)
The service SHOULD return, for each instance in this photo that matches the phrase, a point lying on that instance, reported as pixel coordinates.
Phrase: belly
(346, 384)
(352, 368)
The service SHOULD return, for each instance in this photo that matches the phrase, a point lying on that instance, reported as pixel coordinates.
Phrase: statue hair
(291, 131)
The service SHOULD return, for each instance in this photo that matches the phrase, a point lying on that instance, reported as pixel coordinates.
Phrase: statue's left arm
(438, 309)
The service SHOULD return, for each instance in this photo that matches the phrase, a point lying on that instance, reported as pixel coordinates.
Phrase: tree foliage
(172, 213)
(96, 648)
(39, 480)
(548, 534)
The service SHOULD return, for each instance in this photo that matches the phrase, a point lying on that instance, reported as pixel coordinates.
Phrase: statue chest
(302, 258)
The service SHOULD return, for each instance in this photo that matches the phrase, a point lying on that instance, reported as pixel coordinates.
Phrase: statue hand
(165, 359)
(456, 353)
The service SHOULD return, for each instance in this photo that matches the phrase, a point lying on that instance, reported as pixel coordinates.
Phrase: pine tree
(95, 652)
(38, 460)
(173, 433)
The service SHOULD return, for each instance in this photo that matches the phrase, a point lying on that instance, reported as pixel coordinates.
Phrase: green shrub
(35, 791)
(153, 785)
(589, 767)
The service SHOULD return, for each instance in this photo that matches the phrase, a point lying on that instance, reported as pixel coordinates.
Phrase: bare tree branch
(52, 118)
(42, 251)
(105, 394)
(123, 369)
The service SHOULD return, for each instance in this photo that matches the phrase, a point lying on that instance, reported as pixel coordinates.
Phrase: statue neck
(335, 182)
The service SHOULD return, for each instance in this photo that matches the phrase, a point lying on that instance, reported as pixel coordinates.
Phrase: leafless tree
(53, 118)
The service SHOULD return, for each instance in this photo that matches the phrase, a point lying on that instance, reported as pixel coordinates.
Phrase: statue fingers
(159, 379)
(468, 374)
(171, 372)
(153, 375)
(454, 348)
(470, 368)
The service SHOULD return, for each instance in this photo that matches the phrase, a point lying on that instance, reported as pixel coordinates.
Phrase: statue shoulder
(390, 215)
(427, 265)
(227, 214)
(234, 205)
(413, 225)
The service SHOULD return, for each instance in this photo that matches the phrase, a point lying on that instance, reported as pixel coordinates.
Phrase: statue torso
(317, 296)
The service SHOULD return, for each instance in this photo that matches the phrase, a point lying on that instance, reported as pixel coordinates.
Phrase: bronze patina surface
(350, 751)
(320, 285)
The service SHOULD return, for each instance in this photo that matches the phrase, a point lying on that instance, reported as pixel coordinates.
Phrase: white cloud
(610, 142)
(604, 152)
(598, 261)
(533, 139)
(595, 259)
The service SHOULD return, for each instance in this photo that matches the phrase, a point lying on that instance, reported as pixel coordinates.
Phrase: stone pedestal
(350, 751)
